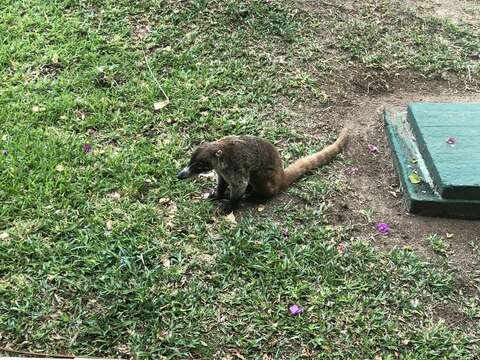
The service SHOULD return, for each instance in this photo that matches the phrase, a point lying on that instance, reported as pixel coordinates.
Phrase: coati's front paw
(226, 207)
(212, 196)
(215, 196)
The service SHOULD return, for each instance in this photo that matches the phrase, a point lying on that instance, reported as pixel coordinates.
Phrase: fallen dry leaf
(231, 218)
(166, 262)
(238, 355)
(393, 193)
(56, 336)
(160, 105)
(163, 201)
(172, 209)
(114, 195)
(206, 259)
(166, 141)
(109, 225)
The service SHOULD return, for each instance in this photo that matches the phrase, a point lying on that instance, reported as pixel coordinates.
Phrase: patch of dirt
(459, 11)
(141, 27)
(453, 317)
(373, 194)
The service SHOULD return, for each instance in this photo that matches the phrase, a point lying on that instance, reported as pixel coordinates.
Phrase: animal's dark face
(200, 162)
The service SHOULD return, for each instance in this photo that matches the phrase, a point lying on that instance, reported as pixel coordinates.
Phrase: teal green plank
(455, 168)
(422, 199)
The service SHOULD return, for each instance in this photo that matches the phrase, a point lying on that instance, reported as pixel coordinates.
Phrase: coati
(248, 163)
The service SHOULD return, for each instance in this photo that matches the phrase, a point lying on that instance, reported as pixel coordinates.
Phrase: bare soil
(459, 11)
(373, 194)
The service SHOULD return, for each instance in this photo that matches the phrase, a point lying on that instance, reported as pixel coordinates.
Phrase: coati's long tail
(303, 165)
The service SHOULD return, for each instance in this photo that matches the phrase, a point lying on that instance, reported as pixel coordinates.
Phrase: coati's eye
(202, 167)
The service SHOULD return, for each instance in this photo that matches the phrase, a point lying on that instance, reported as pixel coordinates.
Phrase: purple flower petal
(372, 148)
(4, 152)
(295, 309)
(383, 228)
(87, 148)
(352, 172)
(450, 141)
(475, 56)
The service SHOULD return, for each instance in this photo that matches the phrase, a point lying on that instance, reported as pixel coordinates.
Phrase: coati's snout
(193, 169)
(200, 162)
(185, 173)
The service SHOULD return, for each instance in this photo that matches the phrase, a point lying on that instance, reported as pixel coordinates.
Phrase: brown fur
(307, 163)
(247, 161)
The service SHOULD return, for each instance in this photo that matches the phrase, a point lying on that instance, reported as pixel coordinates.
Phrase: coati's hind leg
(268, 184)
(222, 186)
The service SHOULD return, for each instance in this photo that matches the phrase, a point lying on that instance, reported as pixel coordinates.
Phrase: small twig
(326, 3)
(41, 355)
(338, 6)
(8, 350)
(154, 78)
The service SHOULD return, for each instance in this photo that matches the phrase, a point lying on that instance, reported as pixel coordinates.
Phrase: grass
(105, 253)
(438, 244)
(389, 38)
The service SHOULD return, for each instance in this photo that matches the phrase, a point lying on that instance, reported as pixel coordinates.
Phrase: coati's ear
(218, 153)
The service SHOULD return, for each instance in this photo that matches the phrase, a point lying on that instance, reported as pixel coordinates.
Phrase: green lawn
(105, 253)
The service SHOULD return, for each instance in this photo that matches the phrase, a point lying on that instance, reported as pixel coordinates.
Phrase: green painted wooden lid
(448, 137)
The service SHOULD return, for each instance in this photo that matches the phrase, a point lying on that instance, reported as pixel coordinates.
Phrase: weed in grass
(438, 244)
